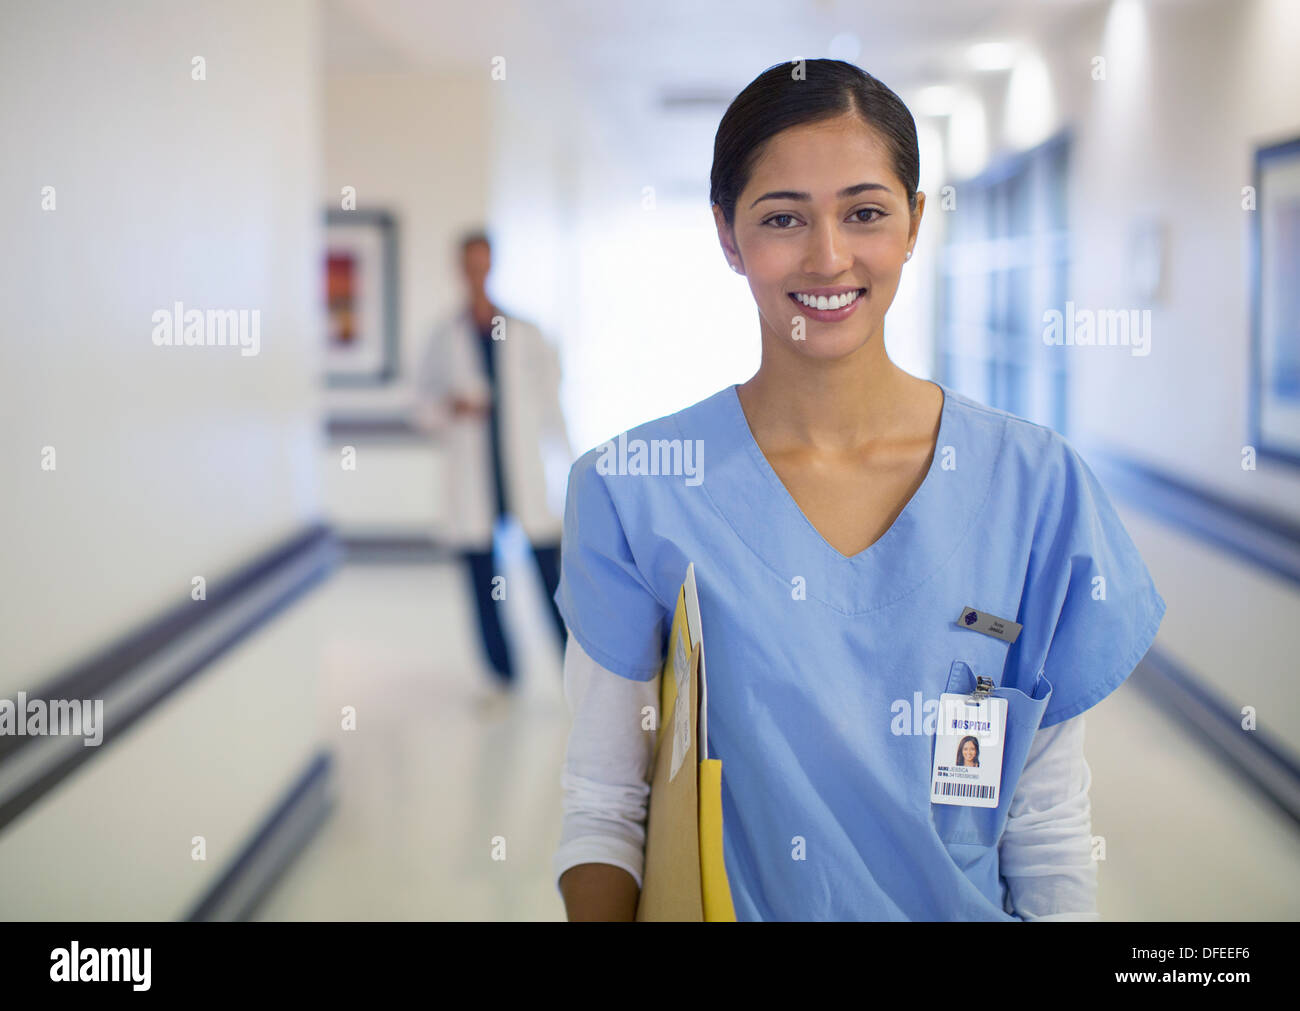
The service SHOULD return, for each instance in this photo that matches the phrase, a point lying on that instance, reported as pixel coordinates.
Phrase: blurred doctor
(489, 385)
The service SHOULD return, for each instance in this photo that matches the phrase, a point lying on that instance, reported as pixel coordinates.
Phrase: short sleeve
(1090, 609)
(605, 601)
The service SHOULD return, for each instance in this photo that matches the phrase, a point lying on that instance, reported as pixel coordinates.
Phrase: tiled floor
(428, 782)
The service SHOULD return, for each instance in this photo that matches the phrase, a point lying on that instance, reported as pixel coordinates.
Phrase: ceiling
(678, 43)
(655, 78)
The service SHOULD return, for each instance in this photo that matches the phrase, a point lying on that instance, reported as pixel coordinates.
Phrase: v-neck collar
(752, 497)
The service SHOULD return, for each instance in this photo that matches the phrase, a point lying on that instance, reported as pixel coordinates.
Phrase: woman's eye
(776, 219)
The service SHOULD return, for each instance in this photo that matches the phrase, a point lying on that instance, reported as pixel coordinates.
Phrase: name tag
(989, 624)
(968, 742)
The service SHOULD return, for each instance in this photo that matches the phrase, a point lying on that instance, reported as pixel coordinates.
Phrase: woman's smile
(828, 305)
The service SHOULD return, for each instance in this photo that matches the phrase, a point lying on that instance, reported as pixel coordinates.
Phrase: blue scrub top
(823, 670)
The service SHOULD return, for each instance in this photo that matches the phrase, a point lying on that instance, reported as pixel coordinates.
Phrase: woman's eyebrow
(848, 191)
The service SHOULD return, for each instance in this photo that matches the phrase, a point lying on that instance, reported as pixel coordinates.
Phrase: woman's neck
(794, 401)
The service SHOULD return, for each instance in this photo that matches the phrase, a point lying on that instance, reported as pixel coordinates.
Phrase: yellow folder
(685, 877)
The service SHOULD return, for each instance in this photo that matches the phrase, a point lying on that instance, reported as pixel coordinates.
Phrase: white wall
(417, 145)
(1172, 134)
(395, 491)
(215, 759)
(446, 153)
(1192, 89)
(172, 462)
(533, 165)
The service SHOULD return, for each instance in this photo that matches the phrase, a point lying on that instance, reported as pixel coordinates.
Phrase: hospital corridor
(431, 427)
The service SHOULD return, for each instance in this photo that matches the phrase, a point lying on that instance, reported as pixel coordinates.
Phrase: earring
(908, 256)
(735, 268)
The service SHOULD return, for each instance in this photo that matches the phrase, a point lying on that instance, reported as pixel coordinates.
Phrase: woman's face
(822, 210)
(968, 753)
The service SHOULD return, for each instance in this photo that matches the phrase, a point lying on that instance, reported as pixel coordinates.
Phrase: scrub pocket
(982, 826)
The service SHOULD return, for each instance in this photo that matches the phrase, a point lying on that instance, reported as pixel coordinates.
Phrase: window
(1005, 262)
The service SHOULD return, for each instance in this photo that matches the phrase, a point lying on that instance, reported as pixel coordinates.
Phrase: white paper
(693, 627)
(681, 707)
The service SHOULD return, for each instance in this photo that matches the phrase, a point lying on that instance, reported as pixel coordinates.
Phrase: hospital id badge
(968, 740)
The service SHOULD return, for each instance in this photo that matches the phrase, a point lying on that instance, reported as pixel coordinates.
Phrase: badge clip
(983, 686)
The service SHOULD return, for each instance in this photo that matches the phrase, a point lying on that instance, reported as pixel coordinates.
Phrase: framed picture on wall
(1275, 278)
(361, 307)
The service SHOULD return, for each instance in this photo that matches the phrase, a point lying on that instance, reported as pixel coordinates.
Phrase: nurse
(864, 542)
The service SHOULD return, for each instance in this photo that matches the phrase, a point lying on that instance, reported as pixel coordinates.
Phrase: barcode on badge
(963, 790)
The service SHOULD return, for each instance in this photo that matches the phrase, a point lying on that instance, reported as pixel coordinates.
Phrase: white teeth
(824, 302)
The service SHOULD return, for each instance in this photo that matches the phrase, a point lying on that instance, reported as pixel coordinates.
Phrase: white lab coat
(535, 450)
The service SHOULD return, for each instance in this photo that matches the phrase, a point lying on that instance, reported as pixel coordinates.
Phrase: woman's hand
(599, 892)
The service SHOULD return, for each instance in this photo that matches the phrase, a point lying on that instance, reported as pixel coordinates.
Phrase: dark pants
(479, 566)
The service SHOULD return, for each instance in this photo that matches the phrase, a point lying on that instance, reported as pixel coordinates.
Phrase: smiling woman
(815, 202)
(843, 233)
(850, 514)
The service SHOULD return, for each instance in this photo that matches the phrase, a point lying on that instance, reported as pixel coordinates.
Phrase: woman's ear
(727, 239)
(914, 225)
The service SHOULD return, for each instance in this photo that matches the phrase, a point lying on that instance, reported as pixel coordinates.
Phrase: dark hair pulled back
(777, 99)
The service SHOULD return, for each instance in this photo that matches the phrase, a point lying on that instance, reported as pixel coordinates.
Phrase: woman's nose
(828, 253)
